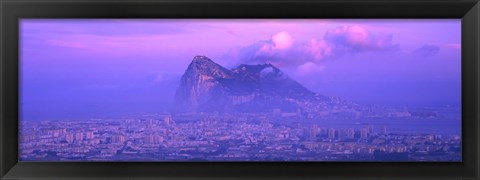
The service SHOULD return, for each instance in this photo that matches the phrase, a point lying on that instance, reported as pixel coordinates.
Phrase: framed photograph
(239, 89)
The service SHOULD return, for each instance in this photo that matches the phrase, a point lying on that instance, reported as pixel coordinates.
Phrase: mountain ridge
(209, 87)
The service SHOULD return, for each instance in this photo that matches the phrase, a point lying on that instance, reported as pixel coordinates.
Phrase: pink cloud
(319, 49)
(354, 35)
(283, 50)
(358, 38)
(279, 42)
(282, 40)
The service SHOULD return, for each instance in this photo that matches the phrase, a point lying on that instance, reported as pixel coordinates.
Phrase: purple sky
(80, 68)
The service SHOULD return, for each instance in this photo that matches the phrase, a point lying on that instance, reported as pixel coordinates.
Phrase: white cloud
(309, 68)
(282, 40)
(319, 49)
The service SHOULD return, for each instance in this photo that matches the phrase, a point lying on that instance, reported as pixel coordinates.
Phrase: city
(276, 136)
(293, 90)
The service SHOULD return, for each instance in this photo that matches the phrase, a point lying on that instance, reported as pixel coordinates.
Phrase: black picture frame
(12, 10)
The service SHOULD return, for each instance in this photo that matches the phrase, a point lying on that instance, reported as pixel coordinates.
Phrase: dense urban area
(276, 136)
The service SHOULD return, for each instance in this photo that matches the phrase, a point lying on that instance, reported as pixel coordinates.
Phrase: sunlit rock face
(201, 85)
(208, 87)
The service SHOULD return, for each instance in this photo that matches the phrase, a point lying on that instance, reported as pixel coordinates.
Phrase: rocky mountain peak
(199, 59)
(202, 65)
(208, 87)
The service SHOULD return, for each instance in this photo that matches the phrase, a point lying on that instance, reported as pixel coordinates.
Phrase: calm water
(410, 126)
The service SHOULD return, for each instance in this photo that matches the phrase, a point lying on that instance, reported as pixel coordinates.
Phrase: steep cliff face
(200, 85)
(208, 87)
